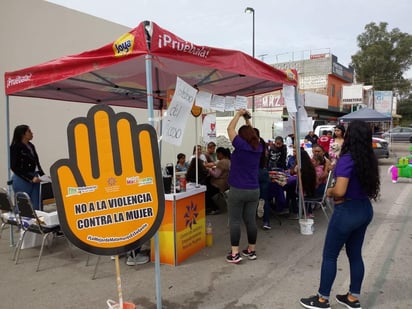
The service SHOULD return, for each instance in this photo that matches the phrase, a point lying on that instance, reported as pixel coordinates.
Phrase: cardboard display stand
(182, 232)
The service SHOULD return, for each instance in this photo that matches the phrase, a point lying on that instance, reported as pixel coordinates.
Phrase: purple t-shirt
(244, 165)
(345, 167)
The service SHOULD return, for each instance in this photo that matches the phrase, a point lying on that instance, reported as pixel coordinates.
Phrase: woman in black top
(25, 164)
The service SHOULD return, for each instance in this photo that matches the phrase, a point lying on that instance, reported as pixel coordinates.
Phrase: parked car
(380, 147)
(399, 134)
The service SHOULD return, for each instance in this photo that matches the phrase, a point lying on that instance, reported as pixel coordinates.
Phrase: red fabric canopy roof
(115, 74)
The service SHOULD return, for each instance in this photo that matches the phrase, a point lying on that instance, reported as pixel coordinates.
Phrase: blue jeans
(346, 227)
(242, 204)
(32, 189)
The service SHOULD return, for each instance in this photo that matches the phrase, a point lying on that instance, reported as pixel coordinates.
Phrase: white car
(324, 127)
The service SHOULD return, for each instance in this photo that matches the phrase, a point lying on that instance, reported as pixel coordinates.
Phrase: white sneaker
(260, 208)
(138, 259)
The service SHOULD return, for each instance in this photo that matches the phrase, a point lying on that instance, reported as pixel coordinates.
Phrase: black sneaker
(343, 300)
(233, 258)
(266, 226)
(314, 303)
(251, 255)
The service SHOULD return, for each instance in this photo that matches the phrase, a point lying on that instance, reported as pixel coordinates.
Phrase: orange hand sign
(109, 193)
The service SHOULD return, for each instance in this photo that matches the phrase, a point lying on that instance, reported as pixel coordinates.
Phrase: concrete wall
(36, 31)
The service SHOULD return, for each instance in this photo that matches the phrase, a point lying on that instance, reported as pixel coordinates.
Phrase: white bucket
(306, 226)
(113, 305)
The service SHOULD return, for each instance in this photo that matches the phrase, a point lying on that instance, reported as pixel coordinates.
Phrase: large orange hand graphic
(109, 193)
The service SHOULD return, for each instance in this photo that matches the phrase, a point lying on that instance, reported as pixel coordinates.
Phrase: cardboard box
(31, 240)
(49, 218)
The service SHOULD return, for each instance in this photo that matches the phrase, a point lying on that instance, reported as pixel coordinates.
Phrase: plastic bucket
(306, 226)
(113, 305)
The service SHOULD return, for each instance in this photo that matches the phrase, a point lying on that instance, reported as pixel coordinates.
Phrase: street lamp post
(252, 10)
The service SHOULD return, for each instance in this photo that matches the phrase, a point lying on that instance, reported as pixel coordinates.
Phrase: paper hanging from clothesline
(229, 103)
(240, 102)
(203, 99)
(289, 96)
(218, 103)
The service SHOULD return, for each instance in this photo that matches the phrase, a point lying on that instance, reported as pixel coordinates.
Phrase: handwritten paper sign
(177, 113)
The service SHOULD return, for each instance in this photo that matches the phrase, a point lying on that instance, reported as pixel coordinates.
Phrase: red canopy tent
(117, 73)
(139, 68)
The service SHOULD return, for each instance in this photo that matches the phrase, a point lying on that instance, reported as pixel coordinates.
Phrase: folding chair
(30, 222)
(46, 195)
(8, 211)
(321, 201)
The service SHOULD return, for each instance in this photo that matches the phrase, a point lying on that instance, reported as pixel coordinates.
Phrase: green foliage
(383, 58)
(405, 109)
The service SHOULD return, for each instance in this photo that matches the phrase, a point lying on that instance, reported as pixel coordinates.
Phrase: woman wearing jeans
(243, 179)
(25, 164)
(357, 181)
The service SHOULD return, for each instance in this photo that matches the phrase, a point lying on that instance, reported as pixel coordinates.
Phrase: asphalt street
(287, 267)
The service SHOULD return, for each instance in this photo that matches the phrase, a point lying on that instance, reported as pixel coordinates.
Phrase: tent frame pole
(9, 187)
(150, 114)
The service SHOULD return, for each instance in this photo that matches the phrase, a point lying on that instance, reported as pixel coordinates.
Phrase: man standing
(312, 138)
(277, 155)
(210, 154)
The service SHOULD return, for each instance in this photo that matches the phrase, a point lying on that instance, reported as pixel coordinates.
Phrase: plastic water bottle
(182, 181)
(209, 234)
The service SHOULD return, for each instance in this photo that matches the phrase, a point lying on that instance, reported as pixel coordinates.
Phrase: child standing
(319, 164)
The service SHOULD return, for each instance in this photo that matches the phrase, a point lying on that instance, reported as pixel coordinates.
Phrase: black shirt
(24, 160)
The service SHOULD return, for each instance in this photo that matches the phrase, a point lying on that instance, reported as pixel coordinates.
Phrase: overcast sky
(284, 30)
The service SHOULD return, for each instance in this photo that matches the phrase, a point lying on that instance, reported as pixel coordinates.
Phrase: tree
(405, 109)
(383, 58)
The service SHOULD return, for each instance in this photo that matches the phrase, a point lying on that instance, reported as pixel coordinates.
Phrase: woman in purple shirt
(357, 181)
(243, 179)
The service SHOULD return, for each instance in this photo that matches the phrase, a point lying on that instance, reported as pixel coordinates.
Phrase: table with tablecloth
(282, 188)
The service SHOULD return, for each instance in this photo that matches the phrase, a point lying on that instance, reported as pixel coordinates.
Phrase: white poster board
(174, 123)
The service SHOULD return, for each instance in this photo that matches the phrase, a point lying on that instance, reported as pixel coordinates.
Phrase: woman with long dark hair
(308, 173)
(25, 164)
(243, 196)
(217, 183)
(357, 181)
(308, 177)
